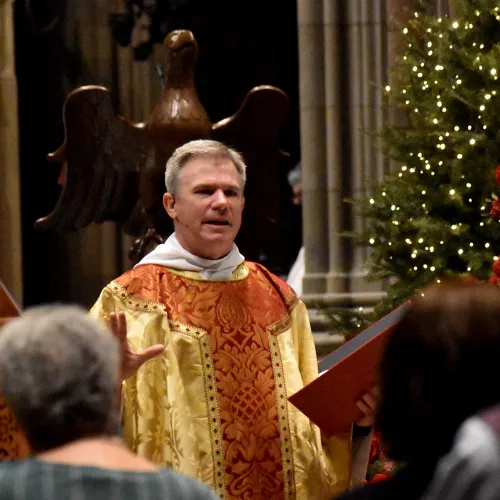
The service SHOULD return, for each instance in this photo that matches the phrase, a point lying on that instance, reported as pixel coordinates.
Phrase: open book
(345, 375)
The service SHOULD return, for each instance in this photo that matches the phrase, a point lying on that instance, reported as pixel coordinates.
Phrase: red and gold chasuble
(215, 405)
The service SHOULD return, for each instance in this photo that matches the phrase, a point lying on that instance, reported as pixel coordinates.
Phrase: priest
(237, 344)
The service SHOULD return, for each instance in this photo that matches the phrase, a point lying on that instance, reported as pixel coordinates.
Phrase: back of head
(58, 374)
(439, 367)
(200, 148)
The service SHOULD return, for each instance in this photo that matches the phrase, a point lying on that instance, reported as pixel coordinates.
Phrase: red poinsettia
(497, 175)
(494, 280)
(496, 267)
(380, 477)
(375, 447)
(379, 466)
(495, 209)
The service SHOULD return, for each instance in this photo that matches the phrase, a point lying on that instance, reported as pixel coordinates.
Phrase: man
(59, 373)
(237, 345)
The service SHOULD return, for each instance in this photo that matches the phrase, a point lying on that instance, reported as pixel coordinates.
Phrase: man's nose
(219, 199)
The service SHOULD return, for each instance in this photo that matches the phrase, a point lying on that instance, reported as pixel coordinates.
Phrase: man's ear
(169, 204)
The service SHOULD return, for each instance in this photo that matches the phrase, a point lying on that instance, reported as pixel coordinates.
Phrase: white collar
(171, 254)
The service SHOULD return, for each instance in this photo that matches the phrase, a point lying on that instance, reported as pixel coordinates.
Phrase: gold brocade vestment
(215, 404)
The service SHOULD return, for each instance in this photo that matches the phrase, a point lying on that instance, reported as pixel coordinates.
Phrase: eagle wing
(102, 155)
(254, 131)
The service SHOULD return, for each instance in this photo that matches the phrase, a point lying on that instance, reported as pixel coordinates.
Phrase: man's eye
(204, 191)
(230, 192)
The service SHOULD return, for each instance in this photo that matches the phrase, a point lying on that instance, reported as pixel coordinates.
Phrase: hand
(368, 405)
(130, 361)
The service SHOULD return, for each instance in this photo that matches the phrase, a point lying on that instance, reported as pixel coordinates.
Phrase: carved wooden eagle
(113, 169)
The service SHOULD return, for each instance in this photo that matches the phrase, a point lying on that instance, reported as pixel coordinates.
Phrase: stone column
(311, 38)
(354, 162)
(337, 277)
(366, 29)
(345, 52)
(10, 198)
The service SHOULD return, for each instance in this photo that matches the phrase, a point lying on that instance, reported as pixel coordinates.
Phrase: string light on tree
(436, 211)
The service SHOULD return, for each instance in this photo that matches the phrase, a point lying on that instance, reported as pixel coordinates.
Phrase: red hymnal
(345, 375)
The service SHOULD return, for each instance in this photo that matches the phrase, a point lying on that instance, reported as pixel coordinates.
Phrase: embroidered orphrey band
(282, 405)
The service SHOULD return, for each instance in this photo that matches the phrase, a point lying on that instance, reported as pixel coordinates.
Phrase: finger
(122, 326)
(364, 408)
(375, 390)
(151, 352)
(113, 324)
(369, 400)
(118, 327)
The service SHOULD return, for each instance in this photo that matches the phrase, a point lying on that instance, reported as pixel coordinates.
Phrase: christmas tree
(437, 216)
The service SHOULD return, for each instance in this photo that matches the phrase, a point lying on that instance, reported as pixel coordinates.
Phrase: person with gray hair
(238, 344)
(60, 374)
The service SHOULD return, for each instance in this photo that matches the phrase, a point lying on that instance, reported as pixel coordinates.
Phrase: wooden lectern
(13, 444)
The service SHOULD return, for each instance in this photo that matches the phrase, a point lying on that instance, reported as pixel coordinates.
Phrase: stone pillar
(311, 38)
(337, 276)
(355, 163)
(449, 8)
(10, 198)
(345, 52)
(366, 30)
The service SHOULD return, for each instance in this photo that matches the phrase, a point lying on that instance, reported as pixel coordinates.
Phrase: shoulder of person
(472, 464)
(478, 443)
(11, 473)
(147, 276)
(284, 289)
(183, 487)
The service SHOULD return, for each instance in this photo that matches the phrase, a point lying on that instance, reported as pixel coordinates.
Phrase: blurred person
(440, 366)
(296, 274)
(60, 376)
(471, 470)
(238, 344)
(295, 180)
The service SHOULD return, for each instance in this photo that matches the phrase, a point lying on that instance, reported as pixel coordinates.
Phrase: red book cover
(345, 375)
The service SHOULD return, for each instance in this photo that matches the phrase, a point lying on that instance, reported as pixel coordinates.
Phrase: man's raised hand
(130, 361)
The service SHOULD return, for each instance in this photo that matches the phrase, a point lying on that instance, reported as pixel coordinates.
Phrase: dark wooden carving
(113, 169)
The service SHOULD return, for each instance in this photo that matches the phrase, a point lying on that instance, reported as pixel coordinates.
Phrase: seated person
(59, 373)
(440, 366)
(471, 470)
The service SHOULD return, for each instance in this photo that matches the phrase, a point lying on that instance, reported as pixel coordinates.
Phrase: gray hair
(59, 375)
(295, 176)
(205, 148)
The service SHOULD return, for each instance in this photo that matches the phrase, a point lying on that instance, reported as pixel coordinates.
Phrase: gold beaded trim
(135, 304)
(280, 326)
(284, 424)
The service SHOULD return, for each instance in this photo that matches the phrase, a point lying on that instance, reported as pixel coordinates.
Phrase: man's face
(207, 207)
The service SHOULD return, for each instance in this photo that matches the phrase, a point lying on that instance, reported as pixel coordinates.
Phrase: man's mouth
(218, 222)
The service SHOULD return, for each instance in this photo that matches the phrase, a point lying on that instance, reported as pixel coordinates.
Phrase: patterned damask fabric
(215, 405)
(13, 444)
